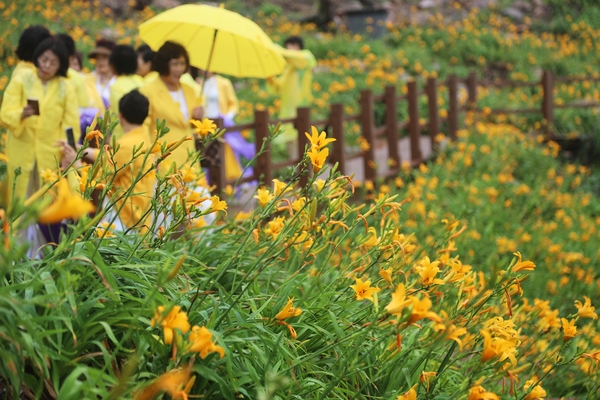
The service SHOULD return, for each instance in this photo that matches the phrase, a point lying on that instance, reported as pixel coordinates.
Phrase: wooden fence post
(453, 106)
(434, 116)
(367, 119)
(548, 102)
(302, 125)
(414, 127)
(472, 88)
(336, 121)
(263, 161)
(391, 125)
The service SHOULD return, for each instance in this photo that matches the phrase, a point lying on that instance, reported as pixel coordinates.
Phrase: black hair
(194, 72)
(68, 42)
(124, 60)
(109, 44)
(31, 37)
(146, 52)
(79, 56)
(167, 52)
(294, 40)
(56, 46)
(134, 107)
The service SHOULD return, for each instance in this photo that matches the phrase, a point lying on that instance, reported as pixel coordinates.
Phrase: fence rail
(264, 167)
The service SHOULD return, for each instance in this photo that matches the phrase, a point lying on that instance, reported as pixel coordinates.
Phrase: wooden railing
(264, 167)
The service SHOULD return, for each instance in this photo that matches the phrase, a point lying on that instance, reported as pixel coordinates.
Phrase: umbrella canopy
(217, 40)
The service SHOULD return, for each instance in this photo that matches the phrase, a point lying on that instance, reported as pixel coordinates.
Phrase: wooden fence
(389, 131)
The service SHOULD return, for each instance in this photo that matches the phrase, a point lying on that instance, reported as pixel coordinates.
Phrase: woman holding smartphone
(38, 107)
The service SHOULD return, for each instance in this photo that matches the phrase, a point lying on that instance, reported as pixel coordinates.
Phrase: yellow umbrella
(217, 40)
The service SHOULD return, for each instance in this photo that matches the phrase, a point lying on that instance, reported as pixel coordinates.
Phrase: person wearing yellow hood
(29, 40)
(294, 88)
(123, 61)
(145, 61)
(33, 131)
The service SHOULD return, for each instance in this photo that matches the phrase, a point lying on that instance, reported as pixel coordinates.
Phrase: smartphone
(35, 104)
(71, 137)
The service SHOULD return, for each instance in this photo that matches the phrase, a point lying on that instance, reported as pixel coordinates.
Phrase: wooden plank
(368, 125)
(414, 129)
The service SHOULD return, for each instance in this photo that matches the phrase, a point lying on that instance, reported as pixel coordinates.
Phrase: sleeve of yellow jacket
(12, 105)
(299, 59)
(228, 101)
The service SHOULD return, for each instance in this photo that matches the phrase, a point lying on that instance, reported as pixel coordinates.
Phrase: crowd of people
(48, 97)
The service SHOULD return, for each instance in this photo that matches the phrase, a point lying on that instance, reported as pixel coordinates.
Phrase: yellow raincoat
(31, 143)
(162, 106)
(152, 75)
(77, 82)
(188, 80)
(294, 88)
(95, 98)
(123, 85)
(133, 207)
(22, 66)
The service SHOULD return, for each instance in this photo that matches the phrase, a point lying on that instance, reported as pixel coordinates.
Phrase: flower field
(474, 276)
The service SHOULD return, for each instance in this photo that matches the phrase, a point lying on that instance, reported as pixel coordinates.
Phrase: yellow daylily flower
(569, 329)
(288, 311)
(204, 127)
(522, 265)
(175, 319)
(586, 310)
(318, 157)
(318, 141)
(364, 290)
(67, 205)
(263, 196)
(201, 342)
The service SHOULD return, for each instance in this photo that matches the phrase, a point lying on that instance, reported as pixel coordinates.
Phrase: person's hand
(198, 113)
(28, 111)
(69, 153)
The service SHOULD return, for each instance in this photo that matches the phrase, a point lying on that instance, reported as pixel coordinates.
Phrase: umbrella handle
(210, 55)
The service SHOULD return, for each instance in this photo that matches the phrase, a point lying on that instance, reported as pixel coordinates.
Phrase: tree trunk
(323, 17)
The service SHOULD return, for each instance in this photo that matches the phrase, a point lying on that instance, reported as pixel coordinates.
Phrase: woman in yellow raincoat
(32, 136)
(294, 88)
(145, 60)
(123, 61)
(28, 41)
(174, 102)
